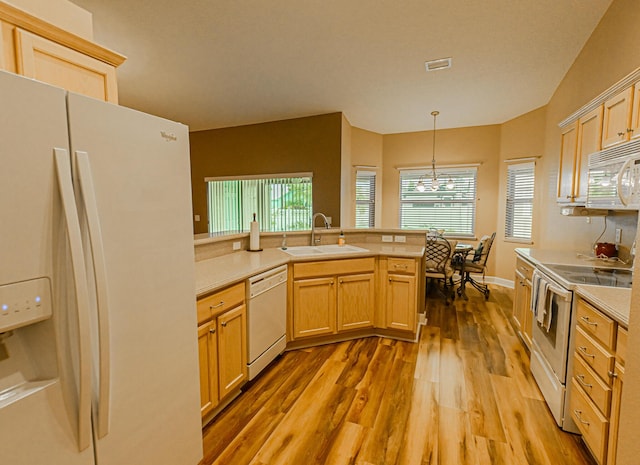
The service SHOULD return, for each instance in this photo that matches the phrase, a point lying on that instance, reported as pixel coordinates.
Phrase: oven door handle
(552, 286)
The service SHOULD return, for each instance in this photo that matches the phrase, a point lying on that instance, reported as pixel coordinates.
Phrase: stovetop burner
(598, 276)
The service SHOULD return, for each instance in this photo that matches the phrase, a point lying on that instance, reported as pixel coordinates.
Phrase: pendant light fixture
(435, 182)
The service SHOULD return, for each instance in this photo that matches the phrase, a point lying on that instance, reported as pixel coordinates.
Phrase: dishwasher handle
(266, 281)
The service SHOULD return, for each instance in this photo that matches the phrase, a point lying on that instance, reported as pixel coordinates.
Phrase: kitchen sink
(318, 250)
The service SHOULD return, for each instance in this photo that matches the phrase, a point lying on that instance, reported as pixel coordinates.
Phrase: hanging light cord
(433, 152)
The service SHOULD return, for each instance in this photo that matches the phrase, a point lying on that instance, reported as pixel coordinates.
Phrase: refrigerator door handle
(65, 186)
(100, 272)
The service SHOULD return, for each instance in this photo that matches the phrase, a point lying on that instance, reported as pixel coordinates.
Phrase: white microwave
(614, 178)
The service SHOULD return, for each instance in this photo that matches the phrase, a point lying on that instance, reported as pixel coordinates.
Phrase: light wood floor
(462, 395)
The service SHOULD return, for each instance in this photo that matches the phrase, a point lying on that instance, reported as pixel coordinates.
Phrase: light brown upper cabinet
(617, 120)
(579, 140)
(47, 61)
(566, 170)
(34, 48)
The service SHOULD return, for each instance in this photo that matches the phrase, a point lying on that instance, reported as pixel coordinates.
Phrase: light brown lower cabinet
(598, 374)
(401, 289)
(400, 309)
(332, 296)
(522, 315)
(222, 346)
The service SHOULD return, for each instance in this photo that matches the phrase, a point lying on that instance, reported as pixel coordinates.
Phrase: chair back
(437, 254)
(481, 253)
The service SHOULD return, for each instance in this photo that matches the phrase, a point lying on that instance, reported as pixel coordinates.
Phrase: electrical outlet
(387, 238)
(618, 235)
(237, 245)
(400, 238)
(197, 217)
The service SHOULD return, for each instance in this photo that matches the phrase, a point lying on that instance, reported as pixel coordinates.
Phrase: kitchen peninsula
(363, 289)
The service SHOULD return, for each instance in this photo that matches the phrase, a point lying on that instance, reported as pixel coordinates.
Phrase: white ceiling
(219, 63)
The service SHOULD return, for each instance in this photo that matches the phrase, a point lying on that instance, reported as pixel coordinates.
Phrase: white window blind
(365, 199)
(452, 209)
(519, 214)
(280, 203)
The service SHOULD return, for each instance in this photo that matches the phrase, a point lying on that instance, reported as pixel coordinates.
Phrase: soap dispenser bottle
(341, 240)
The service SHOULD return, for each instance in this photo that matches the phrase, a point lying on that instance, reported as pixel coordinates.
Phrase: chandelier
(435, 182)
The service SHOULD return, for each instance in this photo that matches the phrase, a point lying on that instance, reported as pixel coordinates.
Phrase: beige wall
(62, 13)
(521, 137)
(610, 53)
(310, 144)
(608, 56)
(480, 144)
(366, 152)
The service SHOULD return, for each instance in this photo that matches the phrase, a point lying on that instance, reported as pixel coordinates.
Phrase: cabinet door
(47, 61)
(567, 163)
(314, 303)
(232, 349)
(518, 301)
(589, 141)
(208, 354)
(401, 302)
(614, 422)
(635, 112)
(616, 126)
(528, 316)
(356, 300)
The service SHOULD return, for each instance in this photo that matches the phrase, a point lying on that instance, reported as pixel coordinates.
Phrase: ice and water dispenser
(27, 339)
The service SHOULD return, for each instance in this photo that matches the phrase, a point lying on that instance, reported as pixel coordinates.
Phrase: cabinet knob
(212, 331)
(341, 281)
(629, 129)
(620, 134)
(612, 374)
(223, 324)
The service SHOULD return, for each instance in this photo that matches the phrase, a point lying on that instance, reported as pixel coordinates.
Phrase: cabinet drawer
(525, 268)
(596, 324)
(621, 345)
(220, 301)
(597, 390)
(333, 267)
(596, 356)
(591, 423)
(401, 265)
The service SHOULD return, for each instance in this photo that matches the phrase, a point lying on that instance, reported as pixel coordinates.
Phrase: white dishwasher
(266, 318)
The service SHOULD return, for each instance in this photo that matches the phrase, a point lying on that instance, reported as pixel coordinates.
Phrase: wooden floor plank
(482, 405)
(462, 395)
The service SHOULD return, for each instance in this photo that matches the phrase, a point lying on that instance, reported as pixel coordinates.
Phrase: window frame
(443, 173)
(512, 217)
(370, 202)
(259, 208)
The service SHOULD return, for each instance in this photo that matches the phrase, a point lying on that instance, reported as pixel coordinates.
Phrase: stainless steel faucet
(313, 226)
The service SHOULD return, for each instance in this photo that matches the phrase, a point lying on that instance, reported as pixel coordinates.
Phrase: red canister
(607, 249)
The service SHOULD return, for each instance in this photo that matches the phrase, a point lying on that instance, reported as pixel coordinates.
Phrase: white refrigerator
(98, 331)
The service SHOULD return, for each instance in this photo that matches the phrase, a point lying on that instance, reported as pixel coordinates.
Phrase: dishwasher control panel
(267, 280)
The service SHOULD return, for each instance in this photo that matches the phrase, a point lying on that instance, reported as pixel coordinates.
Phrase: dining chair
(437, 259)
(476, 263)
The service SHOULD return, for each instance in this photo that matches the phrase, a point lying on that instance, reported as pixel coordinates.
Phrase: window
(365, 199)
(280, 202)
(519, 215)
(451, 207)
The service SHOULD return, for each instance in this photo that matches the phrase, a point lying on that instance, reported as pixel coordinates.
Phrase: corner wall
(311, 144)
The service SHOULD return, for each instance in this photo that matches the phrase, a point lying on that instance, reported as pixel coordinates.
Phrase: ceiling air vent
(436, 65)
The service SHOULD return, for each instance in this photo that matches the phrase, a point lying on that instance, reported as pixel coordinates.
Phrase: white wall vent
(436, 65)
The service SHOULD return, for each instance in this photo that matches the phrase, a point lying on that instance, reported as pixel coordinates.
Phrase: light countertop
(613, 301)
(215, 273)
